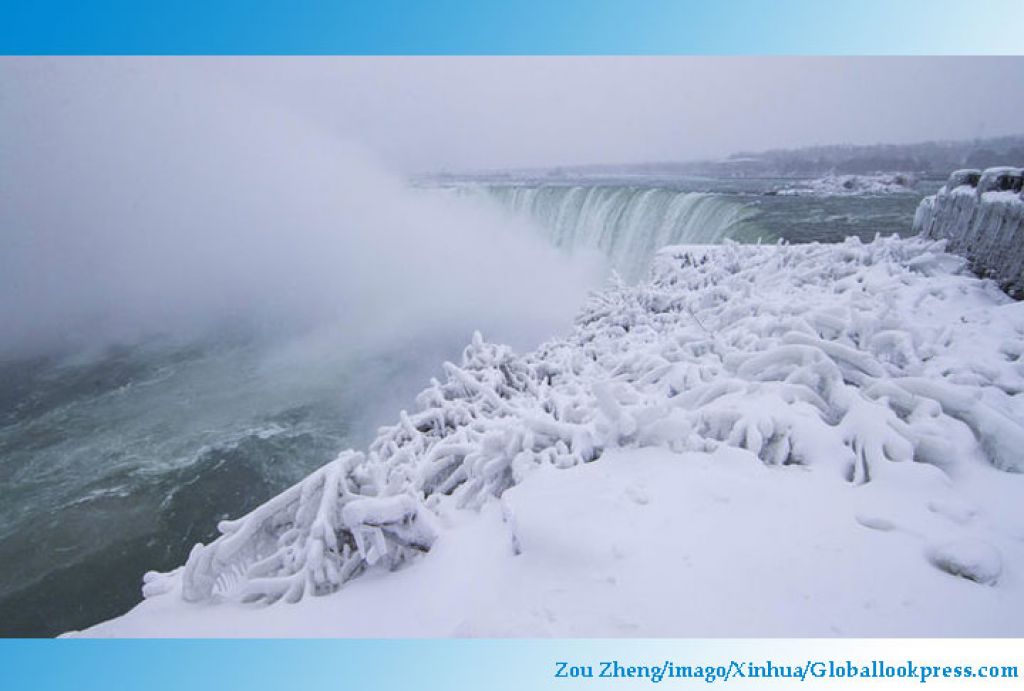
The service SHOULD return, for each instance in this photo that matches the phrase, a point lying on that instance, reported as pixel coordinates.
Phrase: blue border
(470, 665)
(512, 27)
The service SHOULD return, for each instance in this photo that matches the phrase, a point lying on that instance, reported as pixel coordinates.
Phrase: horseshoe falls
(627, 224)
(628, 221)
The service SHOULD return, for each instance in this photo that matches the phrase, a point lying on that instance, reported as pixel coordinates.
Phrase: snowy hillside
(759, 440)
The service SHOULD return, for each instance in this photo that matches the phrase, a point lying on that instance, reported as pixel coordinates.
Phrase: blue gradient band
(503, 27)
(464, 665)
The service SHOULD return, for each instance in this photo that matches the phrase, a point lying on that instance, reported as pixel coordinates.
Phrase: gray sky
(421, 113)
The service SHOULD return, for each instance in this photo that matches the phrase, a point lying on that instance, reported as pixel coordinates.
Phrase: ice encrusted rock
(865, 361)
(982, 216)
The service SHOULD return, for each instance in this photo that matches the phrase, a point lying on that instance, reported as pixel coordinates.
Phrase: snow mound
(851, 185)
(971, 559)
(880, 366)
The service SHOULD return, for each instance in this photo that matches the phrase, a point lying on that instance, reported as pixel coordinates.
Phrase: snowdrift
(864, 399)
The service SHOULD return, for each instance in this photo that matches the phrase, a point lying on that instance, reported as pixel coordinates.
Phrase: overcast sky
(421, 114)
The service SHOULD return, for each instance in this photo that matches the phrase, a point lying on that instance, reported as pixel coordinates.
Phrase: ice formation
(844, 185)
(982, 216)
(882, 364)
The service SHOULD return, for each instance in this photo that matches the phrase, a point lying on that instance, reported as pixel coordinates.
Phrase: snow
(972, 559)
(758, 440)
(1000, 178)
(849, 185)
(647, 542)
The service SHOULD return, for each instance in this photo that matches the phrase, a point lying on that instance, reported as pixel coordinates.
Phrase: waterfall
(627, 224)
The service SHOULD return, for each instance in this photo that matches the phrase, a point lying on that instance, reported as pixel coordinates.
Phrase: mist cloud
(160, 200)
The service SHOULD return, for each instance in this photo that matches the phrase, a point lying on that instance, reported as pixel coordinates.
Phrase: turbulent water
(116, 462)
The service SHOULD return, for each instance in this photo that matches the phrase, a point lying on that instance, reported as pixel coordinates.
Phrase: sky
(422, 114)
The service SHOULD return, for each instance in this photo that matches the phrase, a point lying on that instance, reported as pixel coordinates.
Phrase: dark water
(801, 219)
(116, 462)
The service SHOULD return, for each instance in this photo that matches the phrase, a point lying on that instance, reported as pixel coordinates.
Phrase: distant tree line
(927, 159)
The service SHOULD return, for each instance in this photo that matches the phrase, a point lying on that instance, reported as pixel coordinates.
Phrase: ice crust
(881, 365)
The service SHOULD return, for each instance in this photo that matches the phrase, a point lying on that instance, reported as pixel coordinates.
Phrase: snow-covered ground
(842, 185)
(759, 440)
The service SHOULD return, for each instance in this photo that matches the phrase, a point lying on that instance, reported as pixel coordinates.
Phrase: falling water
(627, 224)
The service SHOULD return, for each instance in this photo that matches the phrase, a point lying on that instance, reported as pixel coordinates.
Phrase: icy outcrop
(982, 216)
(878, 364)
(849, 185)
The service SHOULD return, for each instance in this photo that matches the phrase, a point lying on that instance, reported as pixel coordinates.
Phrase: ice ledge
(981, 214)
